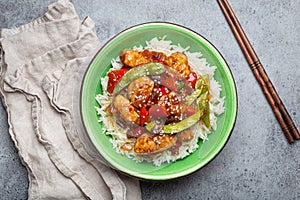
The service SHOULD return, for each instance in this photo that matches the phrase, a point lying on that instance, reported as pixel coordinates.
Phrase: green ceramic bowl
(136, 36)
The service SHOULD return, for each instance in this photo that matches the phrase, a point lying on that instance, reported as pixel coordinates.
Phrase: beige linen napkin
(42, 66)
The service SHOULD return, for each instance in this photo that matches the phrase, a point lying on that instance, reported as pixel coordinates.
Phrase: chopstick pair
(287, 125)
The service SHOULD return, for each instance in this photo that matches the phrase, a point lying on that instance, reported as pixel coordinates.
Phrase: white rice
(201, 67)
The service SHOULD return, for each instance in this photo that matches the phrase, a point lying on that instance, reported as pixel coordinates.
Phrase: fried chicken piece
(171, 103)
(127, 111)
(133, 58)
(178, 62)
(147, 143)
(140, 90)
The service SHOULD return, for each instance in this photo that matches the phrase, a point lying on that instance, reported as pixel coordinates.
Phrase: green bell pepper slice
(191, 98)
(201, 87)
(148, 69)
(203, 104)
(203, 82)
(179, 126)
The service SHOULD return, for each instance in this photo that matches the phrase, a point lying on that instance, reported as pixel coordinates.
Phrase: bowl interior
(136, 36)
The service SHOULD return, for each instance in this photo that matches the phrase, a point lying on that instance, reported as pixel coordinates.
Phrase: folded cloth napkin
(42, 67)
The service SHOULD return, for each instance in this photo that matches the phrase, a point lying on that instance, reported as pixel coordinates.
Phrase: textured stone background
(257, 162)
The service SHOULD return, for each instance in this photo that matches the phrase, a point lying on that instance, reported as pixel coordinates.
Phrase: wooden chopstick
(286, 123)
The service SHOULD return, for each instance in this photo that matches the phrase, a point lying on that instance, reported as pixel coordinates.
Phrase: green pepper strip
(206, 118)
(191, 98)
(203, 104)
(150, 69)
(201, 87)
(179, 126)
(203, 82)
(184, 124)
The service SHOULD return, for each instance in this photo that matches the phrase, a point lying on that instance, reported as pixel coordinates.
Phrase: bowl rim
(158, 177)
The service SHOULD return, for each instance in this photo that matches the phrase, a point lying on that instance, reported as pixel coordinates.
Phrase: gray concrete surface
(257, 162)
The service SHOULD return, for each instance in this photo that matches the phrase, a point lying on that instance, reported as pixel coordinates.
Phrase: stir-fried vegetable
(144, 116)
(143, 70)
(179, 126)
(192, 78)
(158, 101)
(114, 77)
(204, 105)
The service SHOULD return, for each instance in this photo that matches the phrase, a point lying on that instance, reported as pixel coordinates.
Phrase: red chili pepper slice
(114, 77)
(143, 116)
(164, 90)
(192, 78)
